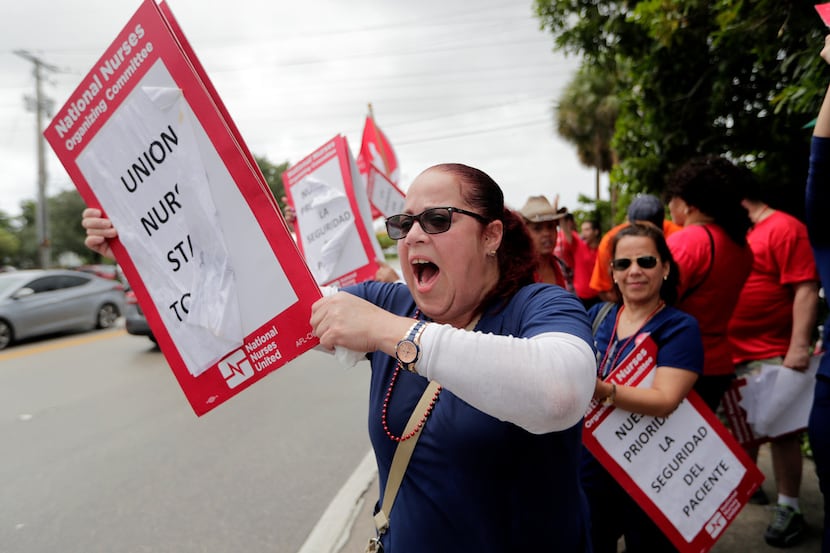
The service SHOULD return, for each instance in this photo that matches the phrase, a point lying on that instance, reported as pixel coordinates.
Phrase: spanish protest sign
(386, 198)
(685, 470)
(334, 222)
(201, 241)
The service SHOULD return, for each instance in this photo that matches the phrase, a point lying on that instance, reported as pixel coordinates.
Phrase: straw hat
(538, 209)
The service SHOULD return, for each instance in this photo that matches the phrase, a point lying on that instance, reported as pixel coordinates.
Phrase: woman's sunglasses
(434, 220)
(644, 261)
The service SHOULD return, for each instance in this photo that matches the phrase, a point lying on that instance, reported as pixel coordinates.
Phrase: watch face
(407, 351)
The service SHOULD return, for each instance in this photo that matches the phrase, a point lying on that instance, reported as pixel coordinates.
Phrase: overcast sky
(447, 84)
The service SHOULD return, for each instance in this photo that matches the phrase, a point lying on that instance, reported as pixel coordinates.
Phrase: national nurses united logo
(716, 524)
(236, 368)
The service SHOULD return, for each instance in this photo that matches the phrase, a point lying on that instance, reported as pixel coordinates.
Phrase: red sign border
(209, 389)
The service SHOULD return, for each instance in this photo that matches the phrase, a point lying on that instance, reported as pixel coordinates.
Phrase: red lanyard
(603, 369)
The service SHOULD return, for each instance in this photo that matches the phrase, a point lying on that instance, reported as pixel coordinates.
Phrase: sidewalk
(745, 534)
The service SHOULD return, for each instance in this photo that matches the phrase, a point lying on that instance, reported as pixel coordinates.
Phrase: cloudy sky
(446, 83)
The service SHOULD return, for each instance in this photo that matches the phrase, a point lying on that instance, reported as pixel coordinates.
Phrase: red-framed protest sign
(377, 155)
(772, 402)
(685, 470)
(145, 138)
(333, 224)
(386, 198)
(824, 12)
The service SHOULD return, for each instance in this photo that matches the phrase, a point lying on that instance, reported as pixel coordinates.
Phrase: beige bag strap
(401, 459)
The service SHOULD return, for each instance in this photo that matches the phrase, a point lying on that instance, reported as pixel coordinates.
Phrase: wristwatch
(408, 350)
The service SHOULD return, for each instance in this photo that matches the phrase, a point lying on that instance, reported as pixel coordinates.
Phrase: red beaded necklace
(395, 374)
(386, 399)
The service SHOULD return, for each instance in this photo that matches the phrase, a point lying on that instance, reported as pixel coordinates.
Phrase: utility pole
(40, 105)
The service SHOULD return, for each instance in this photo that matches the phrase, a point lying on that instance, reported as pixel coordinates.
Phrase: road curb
(334, 528)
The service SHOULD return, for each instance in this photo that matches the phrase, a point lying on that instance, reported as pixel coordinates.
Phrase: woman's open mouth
(425, 272)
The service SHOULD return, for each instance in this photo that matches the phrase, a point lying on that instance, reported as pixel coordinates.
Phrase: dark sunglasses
(434, 220)
(644, 261)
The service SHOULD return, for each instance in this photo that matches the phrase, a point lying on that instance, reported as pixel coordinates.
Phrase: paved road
(101, 453)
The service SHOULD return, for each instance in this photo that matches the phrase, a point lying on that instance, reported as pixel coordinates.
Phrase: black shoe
(786, 528)
(759, 497)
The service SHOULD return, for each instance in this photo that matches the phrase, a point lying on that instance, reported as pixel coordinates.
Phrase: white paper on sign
(331, 200)
(332, 245)
(162, 193)
(778, 400)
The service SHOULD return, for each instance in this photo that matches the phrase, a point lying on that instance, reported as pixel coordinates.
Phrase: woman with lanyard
(496, 464)
(646, 278)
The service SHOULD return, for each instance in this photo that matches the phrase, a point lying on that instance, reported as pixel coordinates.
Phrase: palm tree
(586, 115)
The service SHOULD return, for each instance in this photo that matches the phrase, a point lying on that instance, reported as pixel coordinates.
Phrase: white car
(37, 302)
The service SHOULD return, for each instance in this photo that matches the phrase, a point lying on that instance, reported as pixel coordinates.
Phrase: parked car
(37, 302)
(134, 319)
(112, 272)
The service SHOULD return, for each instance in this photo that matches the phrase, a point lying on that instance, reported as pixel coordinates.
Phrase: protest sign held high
(145, 138)
(386, 198)
(378, 165)
(334, 222)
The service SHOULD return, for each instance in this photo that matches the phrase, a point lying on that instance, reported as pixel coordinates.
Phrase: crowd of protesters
(724, 285)
(746, 275)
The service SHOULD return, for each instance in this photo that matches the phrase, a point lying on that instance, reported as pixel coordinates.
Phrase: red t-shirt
(584, 259)
(762, 322)
(718, 288)
(580, 258)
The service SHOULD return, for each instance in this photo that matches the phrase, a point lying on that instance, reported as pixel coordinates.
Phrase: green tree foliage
(65, 231)
(273, 175)
(586, 114)
(9, 243)
(27, 254)
(9, 247)
(733, 77)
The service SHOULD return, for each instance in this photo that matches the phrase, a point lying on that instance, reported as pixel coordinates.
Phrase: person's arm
(386, 273)
(668, 389)
(822, 127)
(542, 384)
(288, 213)
(818, 183)
(805, 309)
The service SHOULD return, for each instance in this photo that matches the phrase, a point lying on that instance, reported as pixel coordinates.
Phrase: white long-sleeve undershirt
(542, 384)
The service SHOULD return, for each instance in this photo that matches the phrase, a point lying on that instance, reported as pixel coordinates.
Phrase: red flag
(376, 153)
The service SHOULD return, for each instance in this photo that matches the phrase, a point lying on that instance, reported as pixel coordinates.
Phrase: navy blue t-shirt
(475, 483)
(676, 334)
